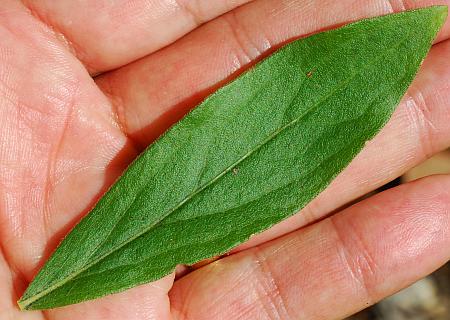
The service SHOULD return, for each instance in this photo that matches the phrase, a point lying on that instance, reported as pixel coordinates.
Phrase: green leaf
(250, 155)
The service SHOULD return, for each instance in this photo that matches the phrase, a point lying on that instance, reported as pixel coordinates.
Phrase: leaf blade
(270, 183)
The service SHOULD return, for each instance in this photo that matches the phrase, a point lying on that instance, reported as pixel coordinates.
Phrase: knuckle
(421, 122)
(268, 290)
(357, 259)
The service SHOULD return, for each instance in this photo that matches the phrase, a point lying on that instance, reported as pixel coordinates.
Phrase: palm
(65, 138)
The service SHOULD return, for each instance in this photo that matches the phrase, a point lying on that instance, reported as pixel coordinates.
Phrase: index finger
(107, 34)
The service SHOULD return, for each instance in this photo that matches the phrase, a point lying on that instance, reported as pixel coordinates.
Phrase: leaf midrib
(205, 216)
(27, 302)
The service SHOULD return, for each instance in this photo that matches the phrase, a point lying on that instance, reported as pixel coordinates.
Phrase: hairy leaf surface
(251, 155)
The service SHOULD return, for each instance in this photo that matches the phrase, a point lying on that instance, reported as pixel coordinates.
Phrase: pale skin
(65, 135)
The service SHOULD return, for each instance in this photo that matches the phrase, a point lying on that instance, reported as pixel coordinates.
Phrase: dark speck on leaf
(235, 171)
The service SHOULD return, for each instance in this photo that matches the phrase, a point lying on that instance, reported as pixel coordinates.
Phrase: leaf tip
(441, 14)
(26, 303)
(22, 305)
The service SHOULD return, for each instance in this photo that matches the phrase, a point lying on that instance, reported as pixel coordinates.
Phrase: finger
(108, 34)
(418, 129)
(148, 301)
(332, 269)
(154, 92)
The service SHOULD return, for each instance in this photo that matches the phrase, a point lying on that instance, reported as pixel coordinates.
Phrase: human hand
(66, 137)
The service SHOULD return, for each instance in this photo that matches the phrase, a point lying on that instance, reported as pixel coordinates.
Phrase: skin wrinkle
(367, 257)
(246, 273)
(245, 57)
(58, 180)
(118, 110)
(420, 118)
(257, 266)
(51, 165)
(274, 294)
(241, 35)
(396, 5)
(360, 265)
(291, 5)
(188, 8)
